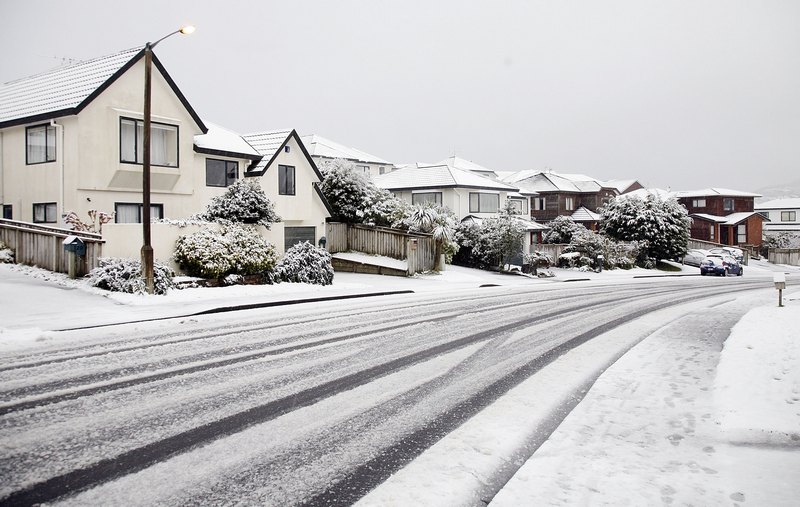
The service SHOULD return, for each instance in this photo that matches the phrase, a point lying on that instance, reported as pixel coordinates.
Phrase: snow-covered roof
(67, 90)
(436, 176)
(732, 219)
(61, 89)
(538, 181)
(467, 165)
(319, 146)
(711, 192)
(788, 203)
(266, 144)
(526, 222)
(643, 193)
(584, 214)
(619, 185)
(222, 141)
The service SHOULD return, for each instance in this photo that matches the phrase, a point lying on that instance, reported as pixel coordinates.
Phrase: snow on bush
(353, 196)
(235, 249)
(562, 230)
(660, 226)
(6, 255)
(125, 275)
(305, 263)
(244, 202)
(491, 244)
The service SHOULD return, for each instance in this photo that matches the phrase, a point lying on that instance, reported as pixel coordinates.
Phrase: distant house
(783, 215)
(71, 140)
(723, 216)
(322, 150)
(464, 192)
(574, 195)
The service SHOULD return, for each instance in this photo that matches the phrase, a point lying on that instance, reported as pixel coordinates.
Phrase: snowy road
(309, 404)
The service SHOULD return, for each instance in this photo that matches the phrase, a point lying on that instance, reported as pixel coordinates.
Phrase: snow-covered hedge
(235, 249)
(305, 263)
(244, 202)
(6, 255)
(125, 275)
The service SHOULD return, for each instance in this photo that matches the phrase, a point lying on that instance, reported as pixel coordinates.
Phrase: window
(483, 203)
(569, 203)
(727, 204)
(45, 212)
(286, 180)
(519, 205)
(7, 212)
(788, 216)
(382, 170)
(163, 142)
(363, 169)
(423, 197)
(765, 214)
(539, 204)
(711, 231)
(741, 233)
(40, 144)
(221, 173)
(698, 203)
(131, 213)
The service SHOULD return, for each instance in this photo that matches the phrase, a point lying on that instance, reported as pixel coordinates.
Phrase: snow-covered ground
(702, 418)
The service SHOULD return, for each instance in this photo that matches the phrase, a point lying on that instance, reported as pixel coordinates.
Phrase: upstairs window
(423, 197)
(569, 203)
(727, 204)
(364, 169)
(221, 173)
(286, 182)
(40, 144)
(484, 203)
(788, 216)
(45, 213)
(698, 203)
(539, 204)
(163, 142)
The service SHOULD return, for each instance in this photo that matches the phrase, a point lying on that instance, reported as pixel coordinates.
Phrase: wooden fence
(43, 246)
(790, 256)
(551, 249)
(417, 249)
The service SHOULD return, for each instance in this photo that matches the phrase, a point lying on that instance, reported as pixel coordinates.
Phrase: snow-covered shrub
(125, 275)
(235, 249)
(569, 259)
(6, 255)
(491, 244)
(562, 230)
(244, 202)
(354, 198)
(305, 263)
(661, 226)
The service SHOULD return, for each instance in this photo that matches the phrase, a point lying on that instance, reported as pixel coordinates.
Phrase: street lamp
(147, 248)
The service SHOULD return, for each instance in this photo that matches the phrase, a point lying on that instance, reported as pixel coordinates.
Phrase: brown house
(573, 195)
(723, 216)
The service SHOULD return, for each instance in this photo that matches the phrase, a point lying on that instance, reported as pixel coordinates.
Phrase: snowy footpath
(696, 412)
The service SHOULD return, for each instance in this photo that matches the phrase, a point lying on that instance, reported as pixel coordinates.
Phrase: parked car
(734, 252)
(695, 257)
(722, 265)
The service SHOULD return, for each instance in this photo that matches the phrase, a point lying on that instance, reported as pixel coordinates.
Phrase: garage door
(294, 235)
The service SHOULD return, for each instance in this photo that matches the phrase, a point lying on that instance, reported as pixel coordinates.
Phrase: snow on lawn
(757, 389)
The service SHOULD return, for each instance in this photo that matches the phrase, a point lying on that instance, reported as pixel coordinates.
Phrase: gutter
(60, 158)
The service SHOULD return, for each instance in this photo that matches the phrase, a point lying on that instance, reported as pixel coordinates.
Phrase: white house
(464, 192)
(322, 149)
(71, 140)
(783, 215)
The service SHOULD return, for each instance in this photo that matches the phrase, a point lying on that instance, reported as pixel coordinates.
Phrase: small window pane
(215, 173)
(128, 213)
(40, 144)
(127, 132)
(286, 183)
(426, 197)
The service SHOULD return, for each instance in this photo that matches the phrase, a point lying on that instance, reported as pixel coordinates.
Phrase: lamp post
(147, 248)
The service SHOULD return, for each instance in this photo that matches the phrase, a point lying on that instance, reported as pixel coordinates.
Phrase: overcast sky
(680, 94)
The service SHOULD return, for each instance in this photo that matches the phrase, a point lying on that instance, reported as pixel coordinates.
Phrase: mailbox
(780, 280)
(75, 245)
(323, 241)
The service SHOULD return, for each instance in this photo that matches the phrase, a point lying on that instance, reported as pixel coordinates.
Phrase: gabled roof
(789, 203)
(224, 143)
(467, 165)
(418, 177)
(269, 143)
(583, 214)
(538, 181)
(67, 90)
(619, 185)
(714, 192)
(644, 193)
(732, 219)
(319, 146)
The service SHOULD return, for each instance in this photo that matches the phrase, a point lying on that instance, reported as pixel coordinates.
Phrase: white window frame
(788, 216)
(426, 197)
(741, 233)
(156, 212)
(521, 205)
(569, 203)
(699, 203)
(484, 202)
(728, 204)
(539, 203)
